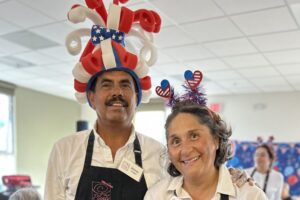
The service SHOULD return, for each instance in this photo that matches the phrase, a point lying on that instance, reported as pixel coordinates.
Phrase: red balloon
(292, 180)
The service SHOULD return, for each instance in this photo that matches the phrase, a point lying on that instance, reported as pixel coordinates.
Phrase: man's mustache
(118, 99)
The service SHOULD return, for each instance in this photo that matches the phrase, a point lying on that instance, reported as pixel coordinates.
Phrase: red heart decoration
(165, 93)
(197, 78)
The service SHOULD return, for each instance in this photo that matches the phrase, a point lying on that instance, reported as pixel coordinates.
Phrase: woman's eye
(194, 136)
(175, 142)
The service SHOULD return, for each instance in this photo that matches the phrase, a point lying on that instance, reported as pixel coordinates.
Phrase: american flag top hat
(105, 50)
(193, 91)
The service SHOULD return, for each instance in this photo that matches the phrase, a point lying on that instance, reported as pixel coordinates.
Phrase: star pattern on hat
(99, 34)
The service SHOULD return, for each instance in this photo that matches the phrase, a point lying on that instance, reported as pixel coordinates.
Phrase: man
(111, 161)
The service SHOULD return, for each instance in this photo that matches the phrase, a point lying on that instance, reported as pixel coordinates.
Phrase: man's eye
(126, 85)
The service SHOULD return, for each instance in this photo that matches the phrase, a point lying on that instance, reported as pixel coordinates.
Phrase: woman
(269, 180)
(198, 146)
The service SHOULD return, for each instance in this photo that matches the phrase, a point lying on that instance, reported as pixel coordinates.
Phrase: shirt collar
(225, 185)
(100, 141)
(175, 187)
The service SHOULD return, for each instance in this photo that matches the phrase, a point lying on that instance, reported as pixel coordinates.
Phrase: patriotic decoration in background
(287, 162)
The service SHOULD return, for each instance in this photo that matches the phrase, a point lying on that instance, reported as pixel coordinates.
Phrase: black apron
(100, 183)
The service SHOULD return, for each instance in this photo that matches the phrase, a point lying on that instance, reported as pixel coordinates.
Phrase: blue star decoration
(99, 33)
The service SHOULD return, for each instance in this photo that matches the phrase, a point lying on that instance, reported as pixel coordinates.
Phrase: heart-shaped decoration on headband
(193, 79)
(164, 90)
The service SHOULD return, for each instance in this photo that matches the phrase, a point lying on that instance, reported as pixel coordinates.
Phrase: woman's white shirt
(274, 184)
(171, 189)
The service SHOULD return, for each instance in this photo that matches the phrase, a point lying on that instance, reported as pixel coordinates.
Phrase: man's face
(114, 99)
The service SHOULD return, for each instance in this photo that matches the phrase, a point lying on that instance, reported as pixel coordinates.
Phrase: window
(7, 153)
(6, 136)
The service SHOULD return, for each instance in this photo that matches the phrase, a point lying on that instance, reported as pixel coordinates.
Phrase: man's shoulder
(77, 138)
(148, 141)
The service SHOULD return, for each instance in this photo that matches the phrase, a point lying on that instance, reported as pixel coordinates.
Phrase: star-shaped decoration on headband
(113, 36)
(101, 38)
(120, 37)
(98, 31)
(94, 38)
(107, 30)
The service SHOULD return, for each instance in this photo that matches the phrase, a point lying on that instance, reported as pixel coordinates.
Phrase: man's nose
(117, 91)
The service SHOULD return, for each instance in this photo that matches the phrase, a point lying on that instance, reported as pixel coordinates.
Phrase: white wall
(253, 115)
(41, 119)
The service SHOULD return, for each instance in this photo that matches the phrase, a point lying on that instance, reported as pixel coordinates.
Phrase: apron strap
(224, 197)
(89, 150)
(137, 152)
(266, 179)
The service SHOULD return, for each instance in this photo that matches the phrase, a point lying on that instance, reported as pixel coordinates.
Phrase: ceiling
(241, 46)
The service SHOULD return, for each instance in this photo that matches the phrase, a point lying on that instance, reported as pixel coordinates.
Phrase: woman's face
(262, 158)
(191, 146)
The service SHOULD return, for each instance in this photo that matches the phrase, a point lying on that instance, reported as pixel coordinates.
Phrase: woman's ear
(217, 142)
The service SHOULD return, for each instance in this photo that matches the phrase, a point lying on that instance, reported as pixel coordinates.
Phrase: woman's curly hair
(212, 120)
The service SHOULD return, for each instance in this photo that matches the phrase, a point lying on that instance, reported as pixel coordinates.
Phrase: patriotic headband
(193, 91)
(105, 51)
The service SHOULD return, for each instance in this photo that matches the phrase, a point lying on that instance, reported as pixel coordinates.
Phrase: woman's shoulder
(252, 192)
(160, 190)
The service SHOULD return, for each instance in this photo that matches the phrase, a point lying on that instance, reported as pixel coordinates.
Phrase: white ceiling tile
(8, 48)
(22, 15)
(278, 88)
(259, 72)
(293, 79)
(211, 88)
(171, 36)
(55, 9)
(19, 74)
(245, 90)
(188, 10)
(163, 58)
(41, 71)
(295, 8)
(59, 53)
(4, 67)
(36, 58)
(284, 57)
(66, 80)
(277, 19)
(238, 6)
(278, 41)
(236, 83)
(222, 75)
(188, 52)
(246, 61)
(231, 47)
(51, 31)
(7, 27)
(208, 65)
(146, 5)
(62, 68)
(213, 29)
(170, 69)
(269, 81)
(291, 69)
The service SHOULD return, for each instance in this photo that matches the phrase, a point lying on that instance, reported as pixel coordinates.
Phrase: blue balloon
(288, 170)
(164, 84)
(188, 75)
